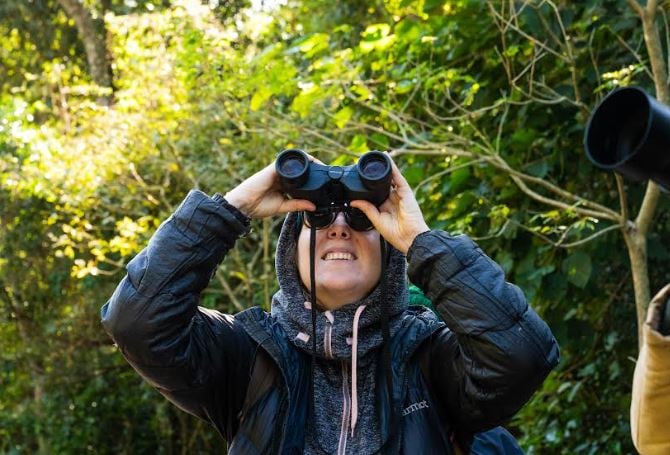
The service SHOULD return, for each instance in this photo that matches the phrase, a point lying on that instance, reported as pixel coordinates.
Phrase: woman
(358, 371)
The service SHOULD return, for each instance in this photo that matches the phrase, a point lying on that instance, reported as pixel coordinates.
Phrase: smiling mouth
(339, 257)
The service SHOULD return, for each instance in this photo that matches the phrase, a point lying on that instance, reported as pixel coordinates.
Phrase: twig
(636, 7)
(447, 171)
(231, 295)
(609, 213)
(572, 244)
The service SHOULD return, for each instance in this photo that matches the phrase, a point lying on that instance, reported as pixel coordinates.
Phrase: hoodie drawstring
(328, 335)
(354, 355)
(386, 355)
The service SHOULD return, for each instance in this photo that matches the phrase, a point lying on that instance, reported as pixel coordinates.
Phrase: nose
(339, 228)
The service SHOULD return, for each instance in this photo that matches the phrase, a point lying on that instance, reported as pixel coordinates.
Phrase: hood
(335, 329)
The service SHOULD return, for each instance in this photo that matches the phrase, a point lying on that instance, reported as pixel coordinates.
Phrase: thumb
(297, 205)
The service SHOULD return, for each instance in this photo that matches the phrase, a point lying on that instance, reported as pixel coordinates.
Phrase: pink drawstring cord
(354, 348)
(328, 334)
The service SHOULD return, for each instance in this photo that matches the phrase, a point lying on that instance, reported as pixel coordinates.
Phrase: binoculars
(629, 132)
(369, 179)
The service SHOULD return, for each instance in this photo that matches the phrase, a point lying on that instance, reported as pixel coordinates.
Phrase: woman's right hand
(261, 196)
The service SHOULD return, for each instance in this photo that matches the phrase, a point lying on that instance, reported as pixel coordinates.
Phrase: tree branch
(636, 7)
(229, 292)
(649, 203)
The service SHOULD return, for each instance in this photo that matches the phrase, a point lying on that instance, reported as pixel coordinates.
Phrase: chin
(340, 284)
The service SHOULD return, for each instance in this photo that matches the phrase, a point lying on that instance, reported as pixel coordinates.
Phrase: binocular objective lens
(292, 166)
(374, 169)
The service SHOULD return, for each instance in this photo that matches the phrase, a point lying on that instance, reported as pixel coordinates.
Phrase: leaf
(505, 260)
(306, 100)
(362, 92)
(359, 144)
(414, 174)
(577, 267)
(458, 179)
(314, 44)
(342, 116)
(407, 30)
(538, 169)
(259, 98)
(380, 141)
(404, 86)
(376, 37)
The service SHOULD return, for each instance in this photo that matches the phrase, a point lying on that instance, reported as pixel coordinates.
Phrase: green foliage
(203, 99)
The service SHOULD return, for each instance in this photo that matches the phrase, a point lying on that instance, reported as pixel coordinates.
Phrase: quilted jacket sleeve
(495, 351)
(198, 358)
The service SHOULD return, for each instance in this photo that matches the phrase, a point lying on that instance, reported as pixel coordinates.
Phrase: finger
(394, 197)
(368, 208)
(388, 206)
(396, 176)
(316, 160)
(296, 205)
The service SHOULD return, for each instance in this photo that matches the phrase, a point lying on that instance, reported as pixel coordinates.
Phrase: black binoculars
(369, 179)
(629, 132)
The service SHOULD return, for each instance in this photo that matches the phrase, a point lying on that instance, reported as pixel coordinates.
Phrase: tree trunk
(636, 244)
(93, 34)
(636, 238)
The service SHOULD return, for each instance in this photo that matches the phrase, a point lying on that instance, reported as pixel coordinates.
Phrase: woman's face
(347, 263)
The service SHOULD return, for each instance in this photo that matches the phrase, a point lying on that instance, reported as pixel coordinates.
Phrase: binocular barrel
(292, 165)
(629, 132)
(374, 169)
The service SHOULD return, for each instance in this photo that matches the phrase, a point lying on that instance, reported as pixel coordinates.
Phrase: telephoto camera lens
(629, 132)
(292, 166)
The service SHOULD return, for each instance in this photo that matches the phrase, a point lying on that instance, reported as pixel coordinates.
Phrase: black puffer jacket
(481, 367)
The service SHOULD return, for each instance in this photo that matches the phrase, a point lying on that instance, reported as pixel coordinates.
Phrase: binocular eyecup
(301, 178)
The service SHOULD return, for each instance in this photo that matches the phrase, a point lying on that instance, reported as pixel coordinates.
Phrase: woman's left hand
(399, 219)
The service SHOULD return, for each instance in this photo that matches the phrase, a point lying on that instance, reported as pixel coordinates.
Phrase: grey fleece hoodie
(336, 397)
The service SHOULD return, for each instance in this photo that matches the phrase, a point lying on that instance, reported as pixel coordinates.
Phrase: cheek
(373, 256)
(302, 257)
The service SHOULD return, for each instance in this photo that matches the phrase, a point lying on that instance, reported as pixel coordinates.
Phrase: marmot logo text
(415, 407)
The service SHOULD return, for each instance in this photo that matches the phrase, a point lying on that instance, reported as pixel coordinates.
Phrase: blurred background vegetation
(111, 110)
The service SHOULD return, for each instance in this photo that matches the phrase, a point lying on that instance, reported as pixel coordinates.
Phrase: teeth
(339, 256)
